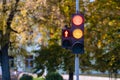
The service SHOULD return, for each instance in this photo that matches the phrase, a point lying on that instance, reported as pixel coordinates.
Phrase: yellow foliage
(111, 63)
(104, 36)
(99, 44)
(110, 23)
(109, 41)
(119, 35)
(23, 12)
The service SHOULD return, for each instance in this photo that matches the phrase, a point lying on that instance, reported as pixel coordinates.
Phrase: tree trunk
(5, 41)
(5, 63)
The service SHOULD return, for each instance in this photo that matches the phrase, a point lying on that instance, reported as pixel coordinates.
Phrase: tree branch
(11, 15)
(3, 5)
(13, 30)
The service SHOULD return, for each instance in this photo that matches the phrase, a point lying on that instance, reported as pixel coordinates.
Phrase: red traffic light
(77, 20)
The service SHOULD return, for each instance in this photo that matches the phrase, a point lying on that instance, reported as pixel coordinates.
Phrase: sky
(92, 0)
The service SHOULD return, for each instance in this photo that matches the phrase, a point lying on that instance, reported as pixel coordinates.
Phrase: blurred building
(21, 63)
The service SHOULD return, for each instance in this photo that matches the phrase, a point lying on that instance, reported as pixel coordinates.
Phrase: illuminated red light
(66, 33)
(77, 20)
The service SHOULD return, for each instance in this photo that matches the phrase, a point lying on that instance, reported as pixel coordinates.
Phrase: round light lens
(77, 20)
(77, 33)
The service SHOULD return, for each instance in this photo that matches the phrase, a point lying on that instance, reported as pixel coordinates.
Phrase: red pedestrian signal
(66, 33)
(66, 37)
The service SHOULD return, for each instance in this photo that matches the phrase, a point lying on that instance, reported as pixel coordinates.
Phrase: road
(81, 77)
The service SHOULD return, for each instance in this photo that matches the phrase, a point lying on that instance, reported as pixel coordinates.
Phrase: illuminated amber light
(77, 33)
(77, 20)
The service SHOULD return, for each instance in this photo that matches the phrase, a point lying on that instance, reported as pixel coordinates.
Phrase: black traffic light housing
(77, 31)
(73, 38)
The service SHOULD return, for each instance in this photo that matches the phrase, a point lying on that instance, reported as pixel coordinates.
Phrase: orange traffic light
(77, 33)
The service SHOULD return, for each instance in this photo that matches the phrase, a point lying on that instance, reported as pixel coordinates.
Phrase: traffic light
(77, 31)
(66, 37)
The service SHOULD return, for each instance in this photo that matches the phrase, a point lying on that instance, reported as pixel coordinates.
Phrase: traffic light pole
(76, 55)
(77, 66)
(77, 6)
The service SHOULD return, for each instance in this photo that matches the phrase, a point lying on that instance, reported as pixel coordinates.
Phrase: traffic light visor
(78, 48)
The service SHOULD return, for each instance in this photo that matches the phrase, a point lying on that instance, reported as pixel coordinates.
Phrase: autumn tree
(5, 28)
(102, 34)
(14, 28)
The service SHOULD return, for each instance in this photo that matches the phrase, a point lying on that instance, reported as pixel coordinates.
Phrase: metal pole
(77, 6)
(77, 66)
(76, 56)
(1, 33)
